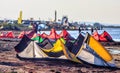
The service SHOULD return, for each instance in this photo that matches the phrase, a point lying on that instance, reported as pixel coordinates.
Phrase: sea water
(114, 32)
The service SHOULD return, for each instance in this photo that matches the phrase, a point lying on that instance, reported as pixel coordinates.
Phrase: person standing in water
(79, 30)
(92, 30)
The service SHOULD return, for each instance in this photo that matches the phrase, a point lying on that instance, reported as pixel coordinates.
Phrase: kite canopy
(53, 35)
(85, 51)
(104, 37)
(21, 34)
(29, 49)
(64, 34)
(38, 39)
(41, 50)
(6, 34)
(96, 35)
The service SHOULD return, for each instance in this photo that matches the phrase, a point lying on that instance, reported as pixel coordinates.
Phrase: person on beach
(35, 27)
(92, 30)
(79, 30)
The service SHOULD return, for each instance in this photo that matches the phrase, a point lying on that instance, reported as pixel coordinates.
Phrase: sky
(104, 11)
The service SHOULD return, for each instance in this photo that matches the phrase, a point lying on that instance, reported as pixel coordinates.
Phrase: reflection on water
(114, 51)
